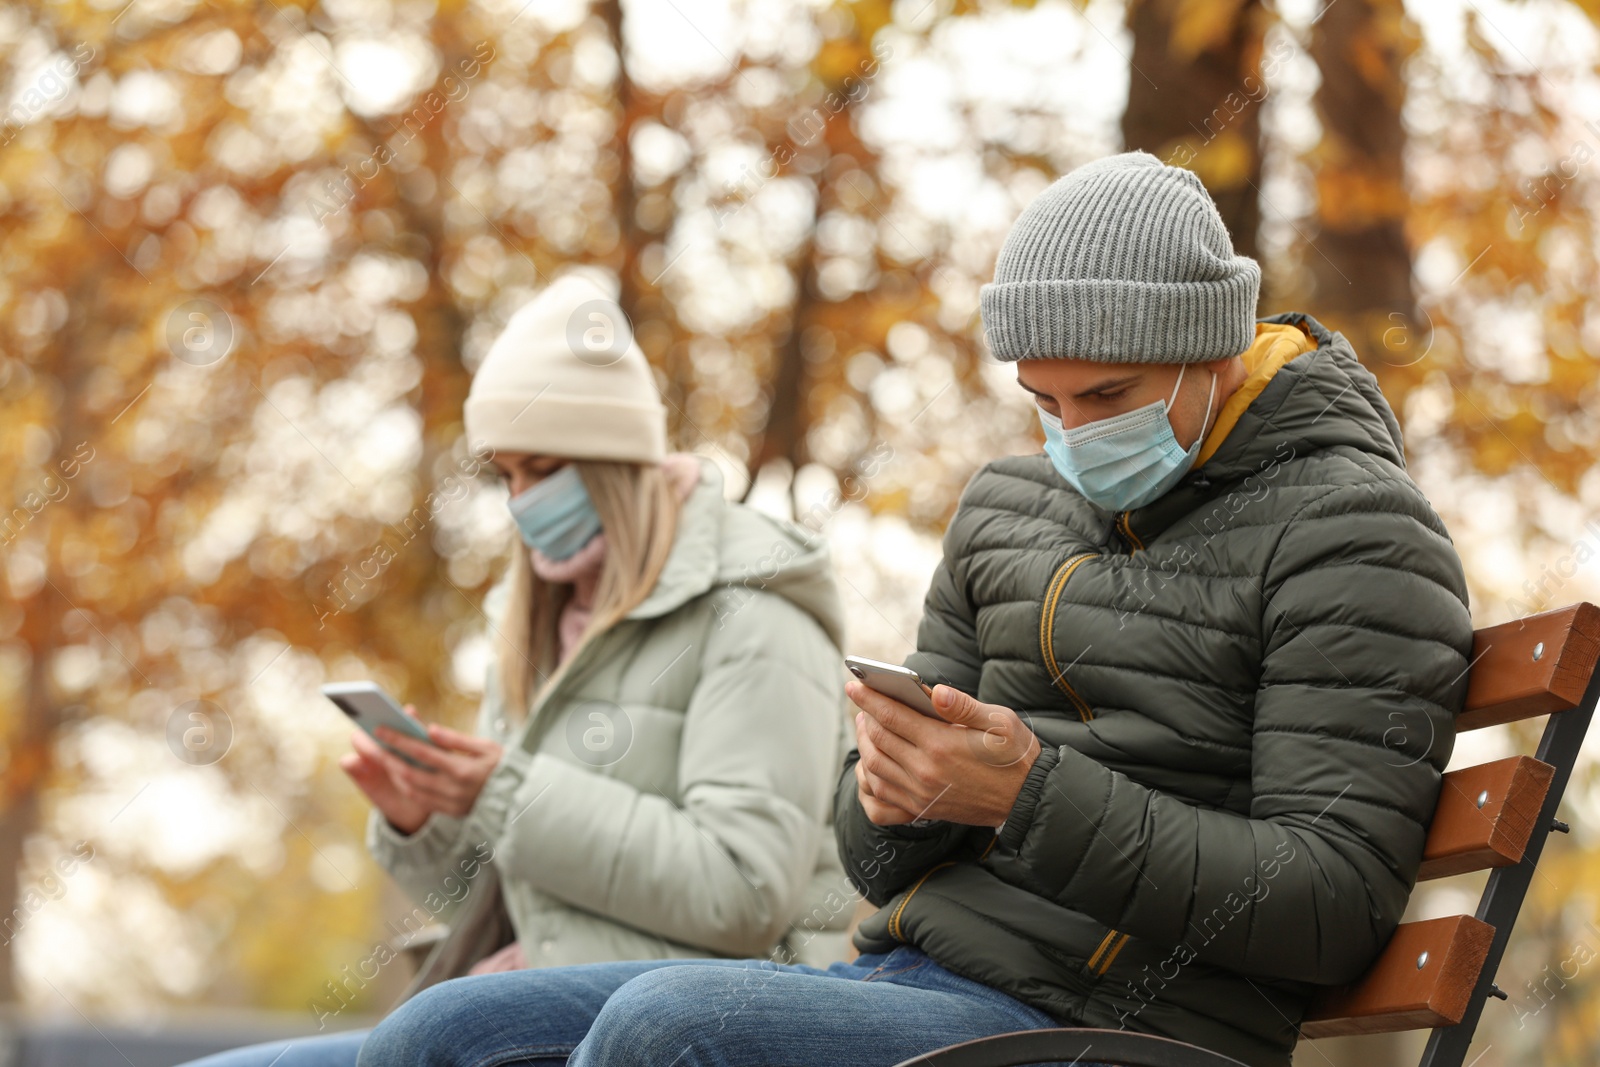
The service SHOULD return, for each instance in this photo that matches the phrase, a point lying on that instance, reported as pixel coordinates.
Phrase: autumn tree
(1196, 81)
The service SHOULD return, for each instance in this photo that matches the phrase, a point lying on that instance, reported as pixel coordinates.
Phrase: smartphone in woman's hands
(369, 707)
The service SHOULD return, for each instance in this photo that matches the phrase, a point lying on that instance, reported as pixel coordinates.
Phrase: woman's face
(520, 470)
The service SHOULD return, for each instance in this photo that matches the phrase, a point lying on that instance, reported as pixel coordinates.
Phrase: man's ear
(1230, 371)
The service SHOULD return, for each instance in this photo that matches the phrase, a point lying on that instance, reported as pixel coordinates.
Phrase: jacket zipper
(1112, 944)
(589, 658)
(1047, 623)
(1114, 939)
(1125, 528)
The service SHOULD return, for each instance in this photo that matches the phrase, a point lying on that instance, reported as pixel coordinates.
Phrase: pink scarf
(582, 568)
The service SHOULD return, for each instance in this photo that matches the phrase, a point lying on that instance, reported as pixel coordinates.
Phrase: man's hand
(452, 774)
(967, 769)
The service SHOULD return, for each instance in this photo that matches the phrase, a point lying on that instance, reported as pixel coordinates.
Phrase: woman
(658, 743)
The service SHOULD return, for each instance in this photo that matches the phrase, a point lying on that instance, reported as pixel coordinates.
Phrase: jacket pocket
(897, 912)
(1047, 622)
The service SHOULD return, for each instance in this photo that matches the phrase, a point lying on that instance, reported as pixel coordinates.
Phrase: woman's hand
(449, 782)
(368, 769)
(453, 769)
(510, 958)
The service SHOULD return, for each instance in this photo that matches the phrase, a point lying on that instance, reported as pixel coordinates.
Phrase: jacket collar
(1322, 399)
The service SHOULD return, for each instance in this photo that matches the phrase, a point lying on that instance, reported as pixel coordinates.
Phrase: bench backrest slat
(1530, 667)
(1423, 978)
(1467, 835)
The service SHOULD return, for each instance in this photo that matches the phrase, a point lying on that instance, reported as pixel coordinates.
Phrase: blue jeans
(875, 1011)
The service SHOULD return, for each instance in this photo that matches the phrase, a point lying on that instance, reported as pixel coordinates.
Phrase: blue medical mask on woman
(1128, 460)
(555, 515)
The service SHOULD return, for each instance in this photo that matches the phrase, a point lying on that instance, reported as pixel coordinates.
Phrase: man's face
(1080, 391)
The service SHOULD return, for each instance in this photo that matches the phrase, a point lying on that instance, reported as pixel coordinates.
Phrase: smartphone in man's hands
(897, 683)
(369, 707)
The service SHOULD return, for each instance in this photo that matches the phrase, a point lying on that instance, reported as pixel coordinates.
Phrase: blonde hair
(639, 514)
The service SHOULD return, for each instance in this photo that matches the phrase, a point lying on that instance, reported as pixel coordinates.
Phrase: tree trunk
(18, 817)
(1359, 259)
(624, 195)
(32, 745)
(784, 435)
(1194, 100)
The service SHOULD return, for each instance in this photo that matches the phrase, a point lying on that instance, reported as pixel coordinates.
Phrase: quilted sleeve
(947, 637)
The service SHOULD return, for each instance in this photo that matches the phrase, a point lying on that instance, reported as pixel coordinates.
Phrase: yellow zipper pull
(1125, 527)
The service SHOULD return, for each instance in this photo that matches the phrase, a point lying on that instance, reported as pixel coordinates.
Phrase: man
(1233, 632)
(1199, 663)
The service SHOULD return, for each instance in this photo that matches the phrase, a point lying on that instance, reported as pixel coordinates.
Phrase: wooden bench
(1434, 974)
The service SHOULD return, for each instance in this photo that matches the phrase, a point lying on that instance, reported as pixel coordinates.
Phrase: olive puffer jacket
(1246, 695)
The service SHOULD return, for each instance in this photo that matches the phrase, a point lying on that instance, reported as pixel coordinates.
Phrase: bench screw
(1538, 650)
(1559, 827)
(1496, 991)
(1422, 961)
(1483, 798)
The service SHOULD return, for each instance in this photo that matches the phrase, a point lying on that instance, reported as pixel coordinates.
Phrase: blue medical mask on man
(1128, 460)
(555, 515)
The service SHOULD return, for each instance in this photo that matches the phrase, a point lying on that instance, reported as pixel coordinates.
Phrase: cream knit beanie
(565, 378)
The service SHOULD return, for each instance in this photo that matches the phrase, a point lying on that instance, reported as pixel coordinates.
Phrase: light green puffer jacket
(671, 796)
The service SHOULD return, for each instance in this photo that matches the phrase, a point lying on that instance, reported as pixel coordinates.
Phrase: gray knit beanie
(1124, 260)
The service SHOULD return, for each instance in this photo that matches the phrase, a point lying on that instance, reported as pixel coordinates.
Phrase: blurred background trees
(253, 251)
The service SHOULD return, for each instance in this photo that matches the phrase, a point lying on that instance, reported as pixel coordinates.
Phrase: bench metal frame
(1508, 886)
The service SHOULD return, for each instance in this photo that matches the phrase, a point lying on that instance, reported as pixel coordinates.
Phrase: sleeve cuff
(436, 841)
(1016, 824)
(433, 841)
